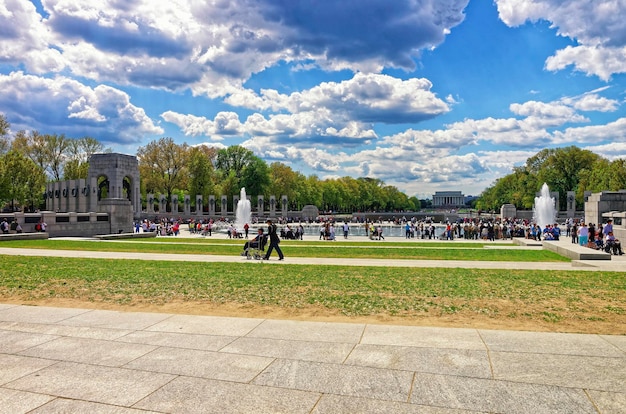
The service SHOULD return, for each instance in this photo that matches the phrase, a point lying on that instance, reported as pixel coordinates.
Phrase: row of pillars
(214, 205)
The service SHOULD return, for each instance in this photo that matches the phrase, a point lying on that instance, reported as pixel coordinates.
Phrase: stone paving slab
(203, 396)
(460, 362)
(308, 331)
(61, 406)
(12, 342)
(63, 330)
(330, 352)
(13, 401)
(38, 314)
(114, 386)
(115, 319)
(203, 364)
(13, 367)
(383, 384)
(552, 343)
(209, 325)
(126, 363)
(176, 340)
(89, 351)
(331, 404)
(597, 373)
(498, 396)
(420, 336)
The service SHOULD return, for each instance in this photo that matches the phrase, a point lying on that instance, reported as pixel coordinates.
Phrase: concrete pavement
(57, 360)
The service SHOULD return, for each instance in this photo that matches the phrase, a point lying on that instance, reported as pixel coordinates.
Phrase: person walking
(274, 241)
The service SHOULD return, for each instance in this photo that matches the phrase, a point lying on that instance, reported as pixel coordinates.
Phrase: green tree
(201, 171)
(255, 177)
(22, 182)
(78, 153)
(4, 134)
(233, 160)
(163, 166)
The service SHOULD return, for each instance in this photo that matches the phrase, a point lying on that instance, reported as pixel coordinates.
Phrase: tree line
(563, 169)
(29, 160)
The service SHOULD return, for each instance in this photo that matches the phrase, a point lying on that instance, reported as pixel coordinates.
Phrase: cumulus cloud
(214, 47)
(26, 39)
(332, 113)
(47, 104)
(599, 27)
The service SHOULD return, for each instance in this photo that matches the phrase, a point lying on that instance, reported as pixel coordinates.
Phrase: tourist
(608, 228)
(5, 226)
(274, 241)
(574, 233)
(346, 229)
(258, 242)
(583, 234)
(613, 244)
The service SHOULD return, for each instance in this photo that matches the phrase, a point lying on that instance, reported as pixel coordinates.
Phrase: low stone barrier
(575, 251)
(24, 236)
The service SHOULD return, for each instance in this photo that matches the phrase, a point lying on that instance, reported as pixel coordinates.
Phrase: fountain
(544, 211)
(243, 212)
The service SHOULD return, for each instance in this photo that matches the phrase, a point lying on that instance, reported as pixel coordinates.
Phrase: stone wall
(607, 201)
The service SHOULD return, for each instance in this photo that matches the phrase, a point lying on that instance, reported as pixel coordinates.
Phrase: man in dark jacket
(274, 240)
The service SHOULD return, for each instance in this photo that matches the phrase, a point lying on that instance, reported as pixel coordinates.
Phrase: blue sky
(426, 95)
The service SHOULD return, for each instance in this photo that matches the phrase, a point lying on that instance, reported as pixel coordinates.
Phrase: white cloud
(45, 104)
(26, 39)
(592, 60)
(365, 97)
(599, 27)
(613, 131)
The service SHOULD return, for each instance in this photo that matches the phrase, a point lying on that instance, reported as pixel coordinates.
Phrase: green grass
(350, 291)
(365, 250)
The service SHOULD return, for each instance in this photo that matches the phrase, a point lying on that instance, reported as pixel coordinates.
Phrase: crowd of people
(600, 237)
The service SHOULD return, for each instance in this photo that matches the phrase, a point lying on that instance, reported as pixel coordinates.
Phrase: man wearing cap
(274, 240)
(608, 228)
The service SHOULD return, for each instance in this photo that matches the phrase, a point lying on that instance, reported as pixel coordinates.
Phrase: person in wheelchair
(258, 242)
(613, 244)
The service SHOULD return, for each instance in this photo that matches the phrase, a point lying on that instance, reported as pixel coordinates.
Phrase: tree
(21, 181)
(79, 151)
(4, 134)
(256, 176)
(201, 171)
(233, 160)
(162, 166)
(282, 180)
(49, 152)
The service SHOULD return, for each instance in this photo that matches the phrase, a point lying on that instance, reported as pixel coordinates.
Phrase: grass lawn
(365, 250)
(568, 301)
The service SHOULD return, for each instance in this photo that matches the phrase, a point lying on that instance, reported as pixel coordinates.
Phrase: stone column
(273, 206)
(260, 205)
(224, 206)
(199, 205)
(284, 205)
(150, 203)
(81, 204)
(93, 194)
(571, 204)
(235, 202)
(174, 204)
(162, 204)
(187, 205)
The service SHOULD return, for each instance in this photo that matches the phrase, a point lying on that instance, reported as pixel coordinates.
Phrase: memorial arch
(117, 176)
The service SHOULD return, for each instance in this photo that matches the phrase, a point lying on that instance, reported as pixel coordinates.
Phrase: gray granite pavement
(57, 360)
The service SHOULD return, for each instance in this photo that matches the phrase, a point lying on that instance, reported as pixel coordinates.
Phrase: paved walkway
(57, 360)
